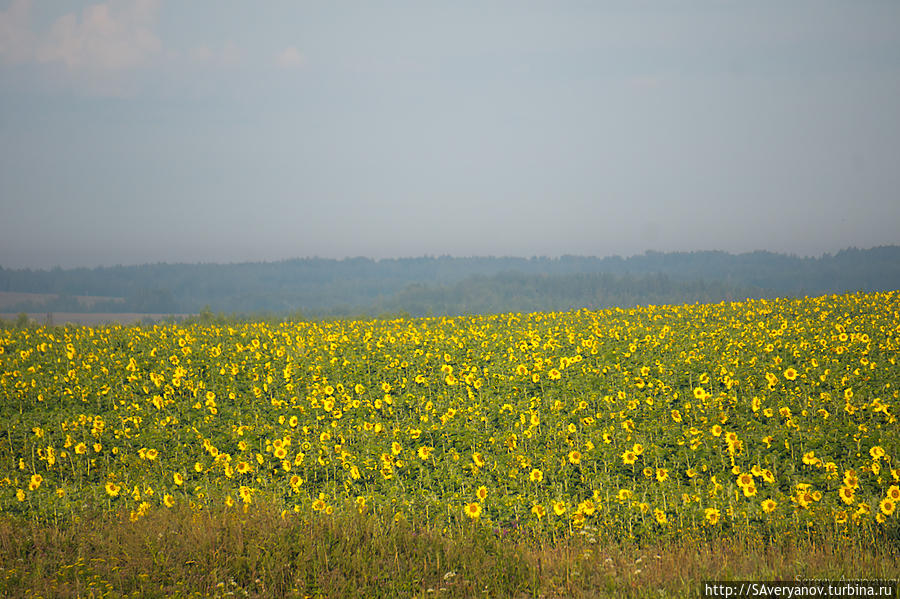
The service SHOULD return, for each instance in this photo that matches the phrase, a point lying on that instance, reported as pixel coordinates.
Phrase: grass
(264, 553)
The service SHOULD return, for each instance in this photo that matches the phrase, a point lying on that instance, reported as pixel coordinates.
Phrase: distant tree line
(319, 287)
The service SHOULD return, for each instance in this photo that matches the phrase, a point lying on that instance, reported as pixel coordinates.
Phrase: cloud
(17, 43)
(291, 58)
(113, 36)
(228, 55)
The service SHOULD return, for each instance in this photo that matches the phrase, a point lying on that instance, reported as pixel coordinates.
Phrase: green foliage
(324, 288)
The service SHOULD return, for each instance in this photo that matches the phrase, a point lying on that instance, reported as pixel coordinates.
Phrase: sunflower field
(765, 418)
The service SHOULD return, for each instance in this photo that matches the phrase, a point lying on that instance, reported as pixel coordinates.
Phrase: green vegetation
(550, 454)
(322, 288)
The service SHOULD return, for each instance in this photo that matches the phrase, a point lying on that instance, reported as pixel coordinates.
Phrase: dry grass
(262, 553)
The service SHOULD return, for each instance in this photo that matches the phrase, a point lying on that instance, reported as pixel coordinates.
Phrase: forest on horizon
(327, 288)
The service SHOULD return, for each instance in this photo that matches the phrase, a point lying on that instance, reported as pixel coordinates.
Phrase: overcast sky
(137, 131)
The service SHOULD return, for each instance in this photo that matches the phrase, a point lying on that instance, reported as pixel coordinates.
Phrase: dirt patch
(81, 318)
(11, 298)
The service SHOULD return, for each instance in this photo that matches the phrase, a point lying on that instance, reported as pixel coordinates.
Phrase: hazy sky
(138, 131)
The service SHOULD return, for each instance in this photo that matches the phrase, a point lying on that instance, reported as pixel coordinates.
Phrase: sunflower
(35, 482)
(176, 476)
(559, 508)
(575, 457)
(846, 495)
(887, 506)
(482, 493)
(629, 457)
(168, 500)
(112, 489)
(473, 510)
(790, 374)
(712, 515)
(425, 452)
(660, 516)
(768, 506)
(578, 519)
(536, 476)
(893, 493)
(745, 480)
(478, 459)
(538, 510)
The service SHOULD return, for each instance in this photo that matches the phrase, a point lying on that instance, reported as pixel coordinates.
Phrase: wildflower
(482, 493)
(36, 480)
(473, 510)
(712, 515)
(536, 476)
